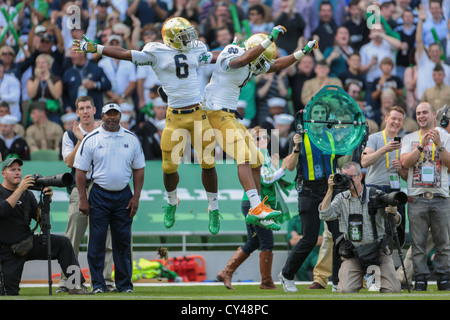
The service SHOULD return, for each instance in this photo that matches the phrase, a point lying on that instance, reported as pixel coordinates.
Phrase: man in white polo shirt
(113, 155)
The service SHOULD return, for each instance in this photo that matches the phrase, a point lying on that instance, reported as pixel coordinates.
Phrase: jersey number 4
(182, 68)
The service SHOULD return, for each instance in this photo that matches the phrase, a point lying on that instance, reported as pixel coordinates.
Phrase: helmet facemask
(185, 39)
(257, 66)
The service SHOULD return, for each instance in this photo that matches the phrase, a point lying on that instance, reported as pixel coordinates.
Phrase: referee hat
(111, 106)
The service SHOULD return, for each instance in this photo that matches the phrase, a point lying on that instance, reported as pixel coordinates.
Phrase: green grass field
(215, 291)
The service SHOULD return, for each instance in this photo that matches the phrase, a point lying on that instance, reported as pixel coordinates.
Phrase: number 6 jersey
(176, 70)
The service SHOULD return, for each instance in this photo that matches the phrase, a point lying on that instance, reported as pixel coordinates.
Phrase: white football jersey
(176, 70)
(224, 88)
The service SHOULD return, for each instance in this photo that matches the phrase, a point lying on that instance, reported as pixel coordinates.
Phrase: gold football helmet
(179, 34)
(268, 55)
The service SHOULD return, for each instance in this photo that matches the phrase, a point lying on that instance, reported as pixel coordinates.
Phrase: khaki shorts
(234, 138)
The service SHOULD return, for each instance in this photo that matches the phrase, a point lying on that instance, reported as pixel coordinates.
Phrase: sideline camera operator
(18, 244)
(351, 207)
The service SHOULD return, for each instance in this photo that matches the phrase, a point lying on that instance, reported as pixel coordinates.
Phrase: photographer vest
(314, 167)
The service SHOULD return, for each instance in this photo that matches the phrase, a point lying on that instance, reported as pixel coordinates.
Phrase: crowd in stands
(402, 62)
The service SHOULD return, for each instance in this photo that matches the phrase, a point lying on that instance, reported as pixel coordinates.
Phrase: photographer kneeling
(18, 244)
(363, 243)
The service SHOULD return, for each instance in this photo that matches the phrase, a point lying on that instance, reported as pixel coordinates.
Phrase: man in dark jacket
(84, 78)
(12, 144)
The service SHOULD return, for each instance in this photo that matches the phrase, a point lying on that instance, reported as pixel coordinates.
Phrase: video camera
(382, 199)
(342, 181)
(58, 180)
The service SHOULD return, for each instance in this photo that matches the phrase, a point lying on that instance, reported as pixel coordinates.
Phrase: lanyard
(420, 142)
(387, 153)
(309, 156)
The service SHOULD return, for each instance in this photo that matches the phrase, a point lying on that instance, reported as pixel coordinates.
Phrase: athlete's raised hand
(85, 45)
(276, 31)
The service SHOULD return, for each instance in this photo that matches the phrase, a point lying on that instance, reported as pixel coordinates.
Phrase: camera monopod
(45, 227)
(399, 247)
(59, 180)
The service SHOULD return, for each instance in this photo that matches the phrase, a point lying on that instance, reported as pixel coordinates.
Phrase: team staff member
(77, 223)
(175, 63)
(18, 206)
(114, 155)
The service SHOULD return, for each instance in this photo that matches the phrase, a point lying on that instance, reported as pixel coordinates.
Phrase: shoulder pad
(151, 46)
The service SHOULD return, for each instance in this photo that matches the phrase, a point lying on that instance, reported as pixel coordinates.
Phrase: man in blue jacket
(84, 78)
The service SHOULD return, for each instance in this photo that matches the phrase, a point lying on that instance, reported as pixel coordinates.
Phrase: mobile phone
(398, 139)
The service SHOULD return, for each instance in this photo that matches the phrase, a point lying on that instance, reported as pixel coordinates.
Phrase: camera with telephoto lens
(58, 180)
(382, 200)
(342, 181)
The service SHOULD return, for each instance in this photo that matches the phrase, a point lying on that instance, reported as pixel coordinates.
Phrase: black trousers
(308, 208)
(12, 265)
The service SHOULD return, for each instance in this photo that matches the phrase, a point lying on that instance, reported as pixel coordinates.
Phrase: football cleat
(261, 212)
(267, 224)
(214, 221)
(169, 214)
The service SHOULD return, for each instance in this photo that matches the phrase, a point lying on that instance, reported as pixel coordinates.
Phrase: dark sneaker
(420, 285)
(443, 284)
(110, 288)
(127, 291)
(97, 290)
(62, 290)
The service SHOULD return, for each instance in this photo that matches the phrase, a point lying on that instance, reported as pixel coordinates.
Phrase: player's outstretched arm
(86, 45)
(285, 62)
(255, 52)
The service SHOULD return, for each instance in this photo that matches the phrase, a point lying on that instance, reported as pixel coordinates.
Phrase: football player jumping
(234, 67)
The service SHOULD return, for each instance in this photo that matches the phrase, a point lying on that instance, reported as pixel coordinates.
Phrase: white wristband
(299, 54)
(100, 48)
(266, 43)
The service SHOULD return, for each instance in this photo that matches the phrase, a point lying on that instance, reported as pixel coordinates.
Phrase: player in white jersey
(234, 67)
(175, 63)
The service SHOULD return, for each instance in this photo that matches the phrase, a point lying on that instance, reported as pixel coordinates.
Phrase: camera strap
(372, 192)
(355, 221)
